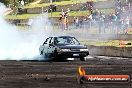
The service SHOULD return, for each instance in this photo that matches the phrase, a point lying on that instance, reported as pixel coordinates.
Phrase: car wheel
(55, 56)
(83, 59)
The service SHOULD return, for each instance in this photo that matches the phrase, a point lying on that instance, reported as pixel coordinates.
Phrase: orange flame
(81, 71)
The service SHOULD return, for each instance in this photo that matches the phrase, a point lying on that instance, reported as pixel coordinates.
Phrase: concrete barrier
(102, 36)
(36, 10)
(110, 51)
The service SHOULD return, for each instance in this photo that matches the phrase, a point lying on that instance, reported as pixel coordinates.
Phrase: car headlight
(83, 49)
(65, 50)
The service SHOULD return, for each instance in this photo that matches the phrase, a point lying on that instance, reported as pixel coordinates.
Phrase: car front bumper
(72, 54)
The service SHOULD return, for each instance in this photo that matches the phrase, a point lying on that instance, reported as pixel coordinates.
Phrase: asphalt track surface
(44, 74)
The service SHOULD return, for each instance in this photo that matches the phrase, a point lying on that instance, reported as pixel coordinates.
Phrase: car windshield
(66, 41)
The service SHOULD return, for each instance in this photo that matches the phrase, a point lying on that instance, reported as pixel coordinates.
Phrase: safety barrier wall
(36, 10)
(110, 51)
(103, 36)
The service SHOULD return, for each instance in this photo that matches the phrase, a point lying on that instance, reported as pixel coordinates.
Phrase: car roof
(64, 36)
(61, 37)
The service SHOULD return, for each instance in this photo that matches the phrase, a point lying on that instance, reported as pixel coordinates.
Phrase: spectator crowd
(115, 22)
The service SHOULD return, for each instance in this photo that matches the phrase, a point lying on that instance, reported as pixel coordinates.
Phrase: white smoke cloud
(18, 44)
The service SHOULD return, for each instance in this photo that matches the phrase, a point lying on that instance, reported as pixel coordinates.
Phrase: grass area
(72, 13)
(60, 3)
(23, 16)
(57, 3)
(54, 14)
(22, 27)
(105, 43)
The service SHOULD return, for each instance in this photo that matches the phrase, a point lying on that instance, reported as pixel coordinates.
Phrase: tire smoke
(18, 44)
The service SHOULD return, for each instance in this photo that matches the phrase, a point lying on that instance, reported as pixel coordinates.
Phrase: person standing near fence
(101, 23)
(126, 24)
(64, 19)
(121, 25)
(76, 22)
(89, 22)
(30, 22)
(62, 14)
(61, 19)
(22, 3)
(113, 23)
(65, 23)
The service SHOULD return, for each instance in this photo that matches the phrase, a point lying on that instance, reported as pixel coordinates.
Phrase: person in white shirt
(30, 21)
(22, 3)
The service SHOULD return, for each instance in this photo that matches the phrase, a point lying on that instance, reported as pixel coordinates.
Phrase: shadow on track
(62, 60)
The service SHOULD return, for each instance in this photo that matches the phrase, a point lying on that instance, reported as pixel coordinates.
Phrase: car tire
(83, 59)
(55, 56)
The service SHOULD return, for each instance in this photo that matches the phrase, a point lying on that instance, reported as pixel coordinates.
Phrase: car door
(46, 46)
(42, 49)
(51, 46)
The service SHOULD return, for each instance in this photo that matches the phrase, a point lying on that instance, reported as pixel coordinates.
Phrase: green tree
(6, 2)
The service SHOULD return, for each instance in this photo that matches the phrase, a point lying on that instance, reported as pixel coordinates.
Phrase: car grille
(75, 49)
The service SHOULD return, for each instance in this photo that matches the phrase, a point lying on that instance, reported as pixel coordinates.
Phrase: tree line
(7, 2)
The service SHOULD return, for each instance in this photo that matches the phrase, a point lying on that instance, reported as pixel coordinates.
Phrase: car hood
(72, 46)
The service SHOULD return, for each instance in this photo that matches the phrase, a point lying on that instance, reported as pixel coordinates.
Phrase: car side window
(47, 41)
(55, 41)
(51, 40)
